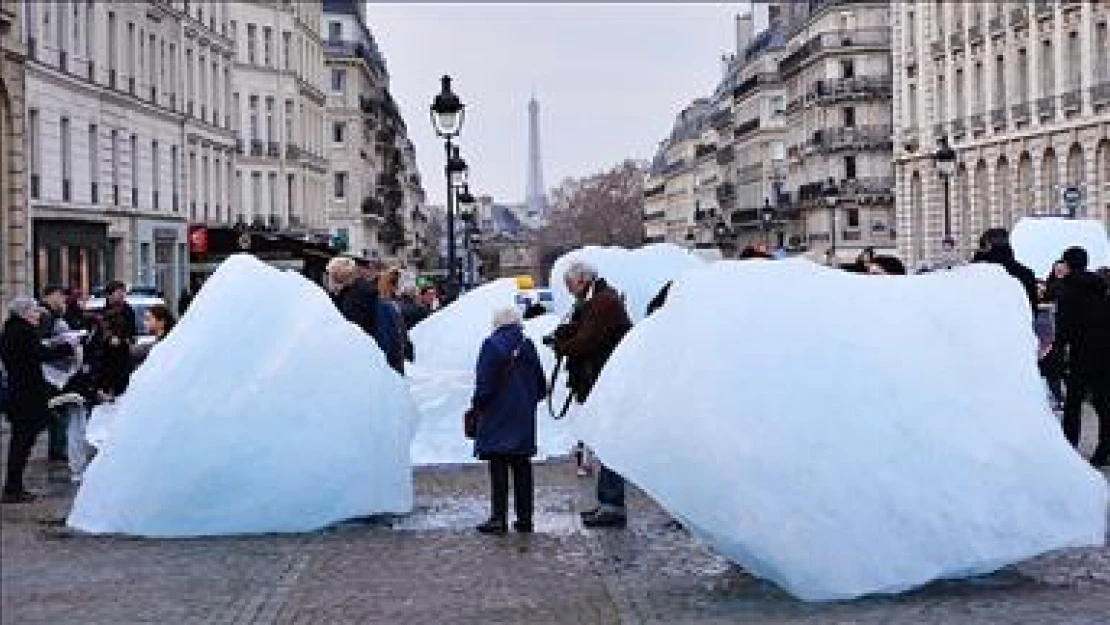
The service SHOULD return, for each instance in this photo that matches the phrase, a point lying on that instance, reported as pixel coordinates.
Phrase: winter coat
(505, 395)
(1083, 325)
(23, 354)
(596, 327)
(1004, 256)
(130, 328)
(391, 335)
(358, 302)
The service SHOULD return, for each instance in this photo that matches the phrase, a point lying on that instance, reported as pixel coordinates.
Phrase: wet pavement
(431, 567)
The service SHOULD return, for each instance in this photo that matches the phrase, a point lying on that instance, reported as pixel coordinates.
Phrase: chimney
(745, 31)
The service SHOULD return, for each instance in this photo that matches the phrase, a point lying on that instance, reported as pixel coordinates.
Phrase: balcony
(1043, 9)
(655, 216)
(977, 124)
(956, 42)
(877, 137)
(937, 49)
(862, 38)
(1100, 94)
(747, 127)
(1020, 113)
(256, 147)
(726, 155)
(94, 194)
(855, 88)
(273, 149)
(996, 26)
(1019, 18)
(975, 34)
(1069, 5)
(998, 118)
(292, 152)
(959, 129)
(1046, 107)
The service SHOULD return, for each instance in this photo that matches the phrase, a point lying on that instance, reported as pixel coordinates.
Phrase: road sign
(1072, 197)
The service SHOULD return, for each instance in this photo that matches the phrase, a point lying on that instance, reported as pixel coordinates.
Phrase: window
(236, 113)
(1023, 76)
(189, 80)
(267, 46)
(206, 188)
(778, 151)
(976, 102)
(911, 104)
(337, 131)
(1075, 62)
(338, 80)
(155, 174)
(911, 30)
(112, 43)
(289, 122)
(89, 29)
(217, 172)
(850, 167)
(252, 36)
(131, 49)
(115, 166)
(94, 164)
(847, 68)
(173, 76)
(286, 43)
(173, 175)
(849, 117)
(34, 145)
(134, 171)
(270, 119)
(256, 195)
(335, 32)
(778, 105)
(999, 82)
(959, 99)
(1102, 52)
(254, 117)
(67, 154)
(853, 218)
(1046, 68)
(202, 86)
(942, 112)
(193, 186)
(340, 185)
(272, 189)
(152, 66)
(237, 197)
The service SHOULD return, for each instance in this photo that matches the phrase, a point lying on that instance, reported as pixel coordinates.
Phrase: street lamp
(447, 115)
(945, 158)
(831, 196)
(767, 219)
(467, 205)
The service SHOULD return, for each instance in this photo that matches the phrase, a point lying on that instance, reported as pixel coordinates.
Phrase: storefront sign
(198, 240)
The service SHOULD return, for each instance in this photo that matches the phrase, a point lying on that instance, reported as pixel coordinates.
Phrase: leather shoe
(494, 527)
(605, 519)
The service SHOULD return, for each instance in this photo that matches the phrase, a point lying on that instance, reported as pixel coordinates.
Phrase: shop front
(70, 253)
(210, 246)
(161, 257)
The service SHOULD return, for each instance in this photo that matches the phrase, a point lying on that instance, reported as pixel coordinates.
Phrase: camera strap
(551, 393)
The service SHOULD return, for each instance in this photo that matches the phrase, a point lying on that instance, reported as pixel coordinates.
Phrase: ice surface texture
(637, 274)
(1040, 241)
(263, 411)
(442, 378)
(841, 434)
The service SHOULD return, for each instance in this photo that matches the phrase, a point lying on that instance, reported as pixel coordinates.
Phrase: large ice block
(1040, 241)
(262, 411)
(843, 434)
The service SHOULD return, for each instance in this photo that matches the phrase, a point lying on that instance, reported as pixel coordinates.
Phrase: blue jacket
(505, 397)
(389, 334)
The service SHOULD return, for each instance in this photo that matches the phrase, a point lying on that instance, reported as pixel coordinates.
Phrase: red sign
(198, 240)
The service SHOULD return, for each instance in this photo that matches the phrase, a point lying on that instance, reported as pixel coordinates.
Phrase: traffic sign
(1072, 197)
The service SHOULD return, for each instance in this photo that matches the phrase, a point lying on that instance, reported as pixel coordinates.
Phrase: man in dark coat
(356, 297)
(509, 382)
(994, 247)
(1083, 336)
(596, 327)
(23, 354)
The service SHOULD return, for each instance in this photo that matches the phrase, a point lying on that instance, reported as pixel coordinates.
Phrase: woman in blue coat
(509, 383)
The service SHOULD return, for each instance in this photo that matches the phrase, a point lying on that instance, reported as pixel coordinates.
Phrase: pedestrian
(52, 327)
(113, 366)
(994, 247)
(23, 354)
(116, 293)
(158, 321)
(75, 316)
(392, 335)
(882, 265)
(1050, 362)
(1083, 337)
(509, 382)
(356, 297)
(597, 325)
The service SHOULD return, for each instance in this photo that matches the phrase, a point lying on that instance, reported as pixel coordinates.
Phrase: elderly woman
(510, 382)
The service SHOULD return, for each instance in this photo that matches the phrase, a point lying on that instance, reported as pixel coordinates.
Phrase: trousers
(1078, 388)
(25, 430)
(499, 468)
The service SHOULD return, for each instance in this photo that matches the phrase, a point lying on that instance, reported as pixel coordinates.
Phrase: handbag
(472, 415)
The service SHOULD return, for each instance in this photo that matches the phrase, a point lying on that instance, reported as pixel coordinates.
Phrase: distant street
(433, 568)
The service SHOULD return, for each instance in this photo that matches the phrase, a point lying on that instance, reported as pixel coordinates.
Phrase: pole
(451, 273)
(832, 232)
(947, 210)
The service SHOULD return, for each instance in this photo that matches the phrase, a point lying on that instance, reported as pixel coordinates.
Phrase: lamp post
(466, 212)
(831, 196)
(447, 115)
(945, 158)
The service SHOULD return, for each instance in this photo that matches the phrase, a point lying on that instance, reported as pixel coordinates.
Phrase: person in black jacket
(23, 354)
(356, 297)
(116, 293)
(1083, 336)
(994, 247)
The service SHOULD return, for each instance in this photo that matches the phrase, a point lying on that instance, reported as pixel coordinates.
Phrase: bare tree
(602, 209)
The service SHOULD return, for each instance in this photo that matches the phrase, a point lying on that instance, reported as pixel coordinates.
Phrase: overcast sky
(609, 79)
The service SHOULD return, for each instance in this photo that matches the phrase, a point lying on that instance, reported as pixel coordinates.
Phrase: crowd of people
(59, 362)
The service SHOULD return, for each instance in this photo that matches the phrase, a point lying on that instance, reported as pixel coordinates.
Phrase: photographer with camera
(596, 326)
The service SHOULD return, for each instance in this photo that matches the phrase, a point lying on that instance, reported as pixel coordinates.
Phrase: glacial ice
(446, 345)
(263, 411)
(1038, 242)
(637, 274)
(843, 435)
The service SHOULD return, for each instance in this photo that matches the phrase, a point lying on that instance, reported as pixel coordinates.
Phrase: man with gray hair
(23, 353)
(355, 296)
(596, 327)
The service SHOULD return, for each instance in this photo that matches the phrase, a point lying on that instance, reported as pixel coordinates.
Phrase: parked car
(139, 299)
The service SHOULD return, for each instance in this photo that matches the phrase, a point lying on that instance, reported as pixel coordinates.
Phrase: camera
(561, 333)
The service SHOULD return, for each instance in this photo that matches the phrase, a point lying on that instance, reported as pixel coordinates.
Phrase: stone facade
(14, 279)
(1021, 91)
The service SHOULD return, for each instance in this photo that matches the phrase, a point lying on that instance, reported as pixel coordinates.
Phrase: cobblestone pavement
(430, 567)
